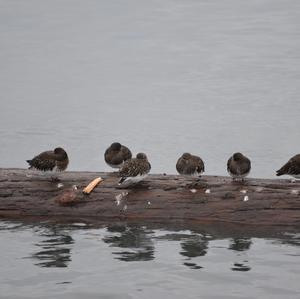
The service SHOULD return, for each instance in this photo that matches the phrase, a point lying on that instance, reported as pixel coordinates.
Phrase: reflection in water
(240, 244)
(240, 267)
(136, 243)
(221, 260)
(194, 246)
(56, 249)
(289, 239)
(136, 239)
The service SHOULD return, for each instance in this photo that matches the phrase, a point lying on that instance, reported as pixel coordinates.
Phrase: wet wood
(159, 199)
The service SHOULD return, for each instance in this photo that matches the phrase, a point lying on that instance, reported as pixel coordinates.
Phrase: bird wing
(126, 153)
(292, 167)
(199, 163)
(117, 157)
(44, 161)
(133, 168)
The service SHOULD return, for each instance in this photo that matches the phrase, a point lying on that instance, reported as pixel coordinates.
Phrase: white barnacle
(207, 191)
(246, 198)
(244, 191)
(125, 208)
(193, 190)
(149, 203)
(60, 185)
(118, 198)
(295, 192)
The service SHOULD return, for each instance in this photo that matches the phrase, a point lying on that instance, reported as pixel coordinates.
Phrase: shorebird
(50, 161)
(116, 155)
(238, 166)
(190, 165)
(134, 170)
(292, 168)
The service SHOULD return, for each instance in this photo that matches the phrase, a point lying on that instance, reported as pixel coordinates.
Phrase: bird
(238, 166)
(116, 155)
(189, 164)
(134, 170)
(50, 161)
(292, 167)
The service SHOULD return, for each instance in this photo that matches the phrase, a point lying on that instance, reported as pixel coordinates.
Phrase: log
(158, 199)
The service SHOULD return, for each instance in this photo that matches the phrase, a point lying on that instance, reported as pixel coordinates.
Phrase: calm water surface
(78, 261)
(163, 77)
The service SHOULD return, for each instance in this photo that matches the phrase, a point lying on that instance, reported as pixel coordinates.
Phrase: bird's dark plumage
(50, 160)
(189, 164)
(134, 170)
(292, 167)
(116, 155)
(238, 165)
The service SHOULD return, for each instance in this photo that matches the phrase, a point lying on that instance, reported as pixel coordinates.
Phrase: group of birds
(133, 170)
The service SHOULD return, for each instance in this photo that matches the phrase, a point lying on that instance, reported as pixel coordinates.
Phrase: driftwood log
(158, 199)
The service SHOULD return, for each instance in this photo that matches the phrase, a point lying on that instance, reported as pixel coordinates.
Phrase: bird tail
(280, 172)
(29, 162)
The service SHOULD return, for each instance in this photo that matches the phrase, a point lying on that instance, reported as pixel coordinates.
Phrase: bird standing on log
(292, 168)
(190, 165)
(238, 166)
(134, 170)
(116, 155)
(50, 161)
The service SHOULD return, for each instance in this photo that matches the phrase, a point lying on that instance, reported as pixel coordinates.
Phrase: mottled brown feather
(49, 160)
(190, 165)
(117, 157)
(240, 167)
(292, 167)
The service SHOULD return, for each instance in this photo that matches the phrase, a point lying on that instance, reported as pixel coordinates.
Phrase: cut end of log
(92, 185)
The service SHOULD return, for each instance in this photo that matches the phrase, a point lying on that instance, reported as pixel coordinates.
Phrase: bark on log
(158, 199)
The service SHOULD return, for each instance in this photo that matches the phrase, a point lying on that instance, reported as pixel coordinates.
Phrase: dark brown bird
(292, 167)
(134, 170)
(116, 155)
(238, 166)
(189, 164)
(56, 160)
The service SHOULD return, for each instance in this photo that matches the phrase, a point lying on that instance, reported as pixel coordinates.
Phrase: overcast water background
(164, 77)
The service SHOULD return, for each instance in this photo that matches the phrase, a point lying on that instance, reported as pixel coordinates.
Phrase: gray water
(70, 262)
(164, 77)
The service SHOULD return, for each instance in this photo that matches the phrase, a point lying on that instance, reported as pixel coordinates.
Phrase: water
(164, 77)
(75, 261)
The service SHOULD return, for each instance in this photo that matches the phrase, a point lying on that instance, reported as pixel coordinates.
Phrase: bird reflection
(194, 246)
(56, 249)
(240, 267)
(136, 240)
(292, 239)
(240, 244)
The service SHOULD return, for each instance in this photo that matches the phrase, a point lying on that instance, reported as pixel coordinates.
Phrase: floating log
(158, 199)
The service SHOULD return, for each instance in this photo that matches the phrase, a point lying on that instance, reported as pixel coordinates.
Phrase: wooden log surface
(158, 199)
